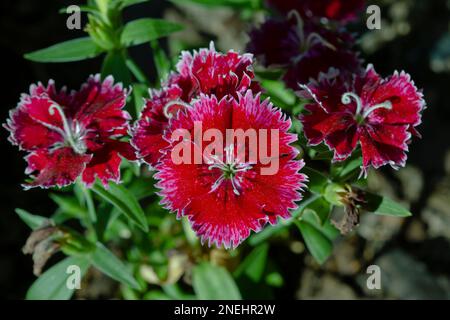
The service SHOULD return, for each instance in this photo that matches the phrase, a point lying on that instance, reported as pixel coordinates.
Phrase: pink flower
(379, 114)
(342, 11)
(68, 135)
(226, 195)
(206, 71)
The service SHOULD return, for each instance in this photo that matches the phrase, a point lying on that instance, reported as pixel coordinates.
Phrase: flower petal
(55, 168)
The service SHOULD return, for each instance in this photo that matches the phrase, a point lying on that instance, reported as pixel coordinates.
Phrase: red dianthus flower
(206, 71)
(71, 134)
(379, 114)
(226, 195)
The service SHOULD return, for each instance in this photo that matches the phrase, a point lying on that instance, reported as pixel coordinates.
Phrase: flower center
(230, 169)
(313, 38)
(72, 133)
(362, 112)
(166, 109)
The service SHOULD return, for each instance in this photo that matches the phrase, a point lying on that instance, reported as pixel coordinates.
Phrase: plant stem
(136, 71)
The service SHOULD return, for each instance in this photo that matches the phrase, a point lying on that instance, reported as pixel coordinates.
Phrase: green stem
(91, 217)
(136, 71)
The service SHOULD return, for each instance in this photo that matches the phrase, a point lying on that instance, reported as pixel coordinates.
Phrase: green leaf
(146, 29)
(162, 62)
(276, 89)
(139, 92)
(31, 220)
(105, 261)
(124, 201)
(68, 205)
(115, 65)
(385, 206)
(68, 51)
(270, 230)
(317, 243)
(127, 3)
(317, 181)
(254, 264)
(214, 283)
(327, 228)
(52, 284)
(321, 208)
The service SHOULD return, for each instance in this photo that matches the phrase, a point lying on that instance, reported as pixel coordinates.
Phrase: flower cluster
(223, 187)
(224, 196)
(72, 134)
(304, 47)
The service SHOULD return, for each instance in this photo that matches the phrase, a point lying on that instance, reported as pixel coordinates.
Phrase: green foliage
(105, 261)
(68, 51)
(31, 220)
(385, 206)
(145, 30)
(128, 216)
(124, 201)
(214, 283)
(52, 284)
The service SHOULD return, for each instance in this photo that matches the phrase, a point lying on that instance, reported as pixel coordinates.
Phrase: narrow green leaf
(105, 261)
(214, 283)
(277, 89)
(254, 264)
(137, 72)
(127, 3)
(326, 228)
(139, 92)
(124, 201)
(385, 206)
(146, 29)
(162, 62)
(115, 65)
(68, 51)
(31, 220)
(317, 243)
(68, 205)
(321, 208)
(317, 181)
(52, 284)
(270, 230)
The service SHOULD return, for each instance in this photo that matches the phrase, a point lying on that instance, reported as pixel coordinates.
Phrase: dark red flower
(304, 50)
(377, 113)
(206, 71)
(71, 134)
(342, 11)
(226, 195)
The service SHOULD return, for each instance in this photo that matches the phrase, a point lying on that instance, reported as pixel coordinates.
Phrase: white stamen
(347, 99)
(315, 36)
(173, 103)
(231, 167)
(67, 133)
(385, 105)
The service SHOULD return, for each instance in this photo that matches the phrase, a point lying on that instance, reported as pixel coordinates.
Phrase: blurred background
(413, 253)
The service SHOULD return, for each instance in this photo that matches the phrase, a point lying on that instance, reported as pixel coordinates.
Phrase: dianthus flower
(303, 49)
(204, 72)
(379, 114)
(341, 11)
(71, 134)
(227, 193)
